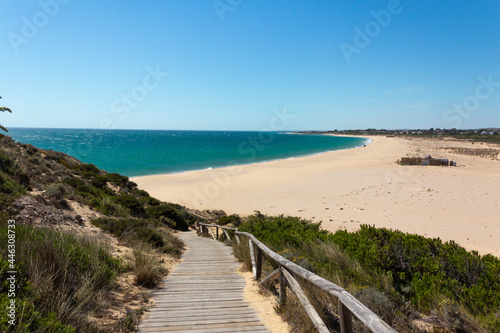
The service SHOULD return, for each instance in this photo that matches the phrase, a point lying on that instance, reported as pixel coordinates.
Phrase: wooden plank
(202, 294)
(225, 322)
(210, 329)
(205, 317)
(310, 310)
(209, 312)
(198, 306)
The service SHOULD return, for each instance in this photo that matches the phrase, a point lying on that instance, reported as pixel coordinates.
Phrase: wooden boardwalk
(203, 293)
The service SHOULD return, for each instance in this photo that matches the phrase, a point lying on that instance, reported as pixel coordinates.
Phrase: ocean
(149, 152)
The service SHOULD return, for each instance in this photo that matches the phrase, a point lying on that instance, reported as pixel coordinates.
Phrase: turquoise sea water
(147, 152)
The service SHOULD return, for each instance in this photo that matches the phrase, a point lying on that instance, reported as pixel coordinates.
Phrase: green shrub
(88, 170)
(106, 206)
(281, 231)
(233, 219)
(142, 193)
(6, 164)
(142, 230)
(130, 202)
(73, 182)
(423, 267)
(58, 191)
(150, 236)
(130, 322)
(12, 178)
(150, 201)
(116, 179)
(168, 214)
(99, 181)
(9, 185)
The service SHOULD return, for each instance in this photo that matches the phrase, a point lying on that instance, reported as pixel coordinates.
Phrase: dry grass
(147, 267)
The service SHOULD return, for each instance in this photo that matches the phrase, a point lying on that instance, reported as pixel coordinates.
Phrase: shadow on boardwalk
(203, 293)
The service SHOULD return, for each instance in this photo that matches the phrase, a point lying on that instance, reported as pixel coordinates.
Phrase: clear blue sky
(230, 63)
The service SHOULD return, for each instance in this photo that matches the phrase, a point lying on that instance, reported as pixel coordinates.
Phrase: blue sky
(232, 64)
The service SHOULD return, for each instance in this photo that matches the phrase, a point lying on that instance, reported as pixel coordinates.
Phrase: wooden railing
(347, 304)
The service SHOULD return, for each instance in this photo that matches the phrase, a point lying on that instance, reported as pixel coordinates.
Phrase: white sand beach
(345, 189)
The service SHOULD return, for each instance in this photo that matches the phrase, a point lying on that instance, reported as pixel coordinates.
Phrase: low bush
(61, 280)
(130, 202)
(233, 219)
(397, 274)
(88, 170)
(58, 191)
(422, 268)
(130, 322)
(9, 185)
(117, 179)
(168, 215)
(99, 181)
(13, 180)
(148, 232)
(73, 182)
(147, 268)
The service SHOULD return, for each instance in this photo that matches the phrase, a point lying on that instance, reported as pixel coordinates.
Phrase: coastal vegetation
(66, 272)
(412, 282)
(487, 135)
(62, 279)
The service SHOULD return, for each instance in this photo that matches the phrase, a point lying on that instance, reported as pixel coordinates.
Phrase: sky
(250, 65)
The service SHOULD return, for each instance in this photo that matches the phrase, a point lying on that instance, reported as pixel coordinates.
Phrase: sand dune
(359, 186)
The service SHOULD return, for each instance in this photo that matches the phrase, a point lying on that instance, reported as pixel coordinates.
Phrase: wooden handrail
(347, 303)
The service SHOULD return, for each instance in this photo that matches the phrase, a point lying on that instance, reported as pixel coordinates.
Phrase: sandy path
(358, 186)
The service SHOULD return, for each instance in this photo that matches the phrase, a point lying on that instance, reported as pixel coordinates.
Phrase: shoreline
(365, 144)
(347, 188)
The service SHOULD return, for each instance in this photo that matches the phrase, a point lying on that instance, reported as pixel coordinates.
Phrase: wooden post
(274, 275)
(252, 258)
(258, 270)
(345, 318)
(282, 295)
(217, 233)
(211, 233)
(227, 235)
(237, 239)
(311, 311)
